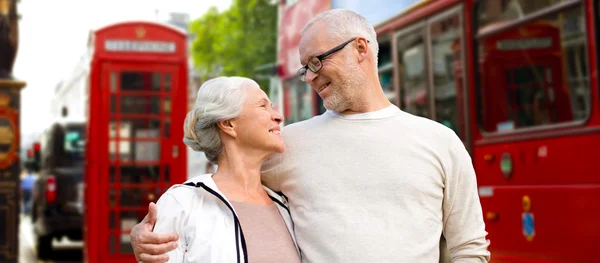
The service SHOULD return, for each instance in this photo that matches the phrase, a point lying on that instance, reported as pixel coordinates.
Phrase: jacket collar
(207, 180)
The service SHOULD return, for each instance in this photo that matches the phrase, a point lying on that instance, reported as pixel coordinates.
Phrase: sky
(53, 36)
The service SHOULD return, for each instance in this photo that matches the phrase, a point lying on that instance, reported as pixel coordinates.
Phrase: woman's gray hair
(219, 99)
(344, 24)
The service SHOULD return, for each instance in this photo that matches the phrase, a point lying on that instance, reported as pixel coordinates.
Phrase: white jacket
(207, 224)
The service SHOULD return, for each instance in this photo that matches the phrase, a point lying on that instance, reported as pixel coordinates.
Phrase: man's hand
(150, 247)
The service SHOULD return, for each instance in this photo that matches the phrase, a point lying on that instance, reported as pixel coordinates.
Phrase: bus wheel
(44, 247)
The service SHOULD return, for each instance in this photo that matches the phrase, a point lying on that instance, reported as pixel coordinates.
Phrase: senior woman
(229, 216)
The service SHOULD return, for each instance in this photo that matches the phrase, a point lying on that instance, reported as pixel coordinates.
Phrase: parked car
(57, 205)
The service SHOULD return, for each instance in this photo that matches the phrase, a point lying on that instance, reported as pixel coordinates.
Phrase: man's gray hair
(344, 24)
(219, 99)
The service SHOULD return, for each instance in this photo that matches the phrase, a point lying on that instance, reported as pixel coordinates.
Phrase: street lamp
(10, 89)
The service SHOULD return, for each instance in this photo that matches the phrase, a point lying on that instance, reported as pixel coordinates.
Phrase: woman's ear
(227, 127)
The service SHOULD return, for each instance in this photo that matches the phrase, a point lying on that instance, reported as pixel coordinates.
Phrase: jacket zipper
(280, 204)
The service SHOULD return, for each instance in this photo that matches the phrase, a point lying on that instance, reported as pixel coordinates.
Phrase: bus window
(413, 80)
(446, 63)
(386, 68)
(531, 96)
(300, 98)
(497, 11)
(534, 74)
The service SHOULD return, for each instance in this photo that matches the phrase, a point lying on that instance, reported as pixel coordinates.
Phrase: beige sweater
(379, 187)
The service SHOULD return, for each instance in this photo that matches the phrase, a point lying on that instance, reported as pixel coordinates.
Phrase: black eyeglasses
(316, 63)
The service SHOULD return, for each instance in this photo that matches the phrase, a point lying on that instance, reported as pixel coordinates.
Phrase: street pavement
(65, 251)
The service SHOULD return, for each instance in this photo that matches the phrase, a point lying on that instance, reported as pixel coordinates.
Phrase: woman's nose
(277, 117)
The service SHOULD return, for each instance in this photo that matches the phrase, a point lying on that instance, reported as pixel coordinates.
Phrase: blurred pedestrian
(27, 184)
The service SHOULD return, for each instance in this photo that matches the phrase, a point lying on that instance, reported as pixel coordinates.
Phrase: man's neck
(361, 110)
(372, 99)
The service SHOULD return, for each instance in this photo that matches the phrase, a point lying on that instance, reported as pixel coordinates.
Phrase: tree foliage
(236, 41)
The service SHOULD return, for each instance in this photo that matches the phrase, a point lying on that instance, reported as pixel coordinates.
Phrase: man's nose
(310, 76)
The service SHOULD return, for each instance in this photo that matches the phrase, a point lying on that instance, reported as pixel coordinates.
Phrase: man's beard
(345, 93)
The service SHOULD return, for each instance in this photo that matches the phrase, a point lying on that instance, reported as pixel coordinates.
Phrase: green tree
(235, 41)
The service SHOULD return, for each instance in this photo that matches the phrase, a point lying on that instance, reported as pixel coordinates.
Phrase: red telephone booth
(137, 105)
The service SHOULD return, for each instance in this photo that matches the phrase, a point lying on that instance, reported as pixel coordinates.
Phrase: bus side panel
(562, 160)
(558, 223)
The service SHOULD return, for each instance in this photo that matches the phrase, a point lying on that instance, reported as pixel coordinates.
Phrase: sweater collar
(378, 114)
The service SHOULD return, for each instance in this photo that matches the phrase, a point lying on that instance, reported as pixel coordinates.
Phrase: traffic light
(34, 159)
(37, 156)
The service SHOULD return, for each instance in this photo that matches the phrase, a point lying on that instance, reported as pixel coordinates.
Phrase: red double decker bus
(517, 80)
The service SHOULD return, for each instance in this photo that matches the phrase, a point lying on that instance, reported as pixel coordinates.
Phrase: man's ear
(363, 48)
(227, 127)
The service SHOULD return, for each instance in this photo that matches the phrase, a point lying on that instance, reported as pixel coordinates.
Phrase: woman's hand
(150, 247)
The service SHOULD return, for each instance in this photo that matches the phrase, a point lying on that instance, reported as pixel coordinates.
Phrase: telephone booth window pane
(167, 174)
(147, 151)
(139, 128)
(136, 174)
(446, 62)
(113, 81)
(156, 82)
(167, 105)
(138, 150)
(139, 81)
(167, 81)
(138, 197)
(111, 220)
(112, 128)
(113, 103)
(112, 244)
(112, 173)
(112, 197)
(167, 128)
(124, 151)
(128, 219)
(413, 81)
(140, 104)
(125, 245)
